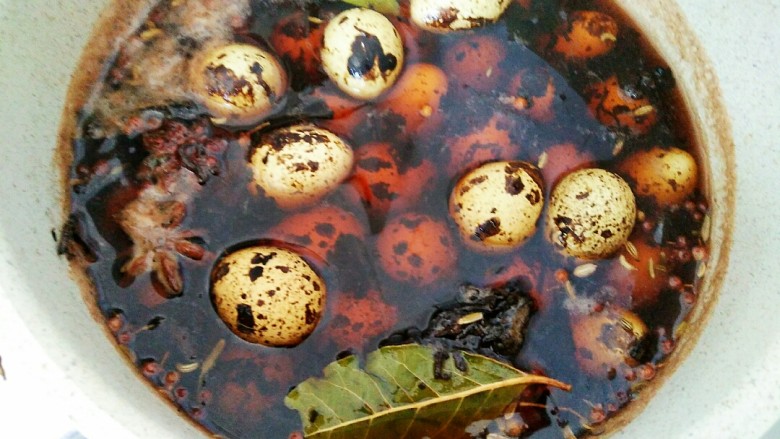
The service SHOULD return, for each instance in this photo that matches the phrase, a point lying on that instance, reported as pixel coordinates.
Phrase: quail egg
(319, 229)
(586, 35)
(623, 108)
(473, 62)
(238, 84)
(608, 339)
(362, 53)
(298, 165)
(667, 175)
(497, 205)
(639, 275)
(491, 142)
(267, 295)
(298, 41)
(417, 97)
(449, 15)
(592, 213)
(417, 249)
(385, 182)
(561, 159)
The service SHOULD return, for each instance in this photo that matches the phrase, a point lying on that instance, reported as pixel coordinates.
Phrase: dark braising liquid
(236, 389)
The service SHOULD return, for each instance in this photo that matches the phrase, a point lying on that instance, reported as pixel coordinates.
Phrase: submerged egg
(486, 144)
(585, 35)
(639, 274)
(385, 182)
(238, 83)
(560, 160)
(667, 175)
(267, 295)
(298, 165)
(608, 339)
(592, 213)
(362, 52)
(319, 229)
(417, 249)
(298, 41)
(497, 205)
(473, 62)
(417, 97)
(532, 92)
(620, 107)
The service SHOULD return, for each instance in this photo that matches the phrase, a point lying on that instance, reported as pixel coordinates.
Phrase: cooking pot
(727, 387)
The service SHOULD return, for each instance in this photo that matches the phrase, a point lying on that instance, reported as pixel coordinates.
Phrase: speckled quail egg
(239, 84)
(298, 165)
(592, 213)
(497, 205)
(668, 175)
(449, 15)
(267, 295)
(362, 52)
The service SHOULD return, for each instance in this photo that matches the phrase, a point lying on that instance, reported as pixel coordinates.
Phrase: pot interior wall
(64, 353)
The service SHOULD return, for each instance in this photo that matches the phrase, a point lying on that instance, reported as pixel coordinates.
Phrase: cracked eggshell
(592, 213)
(362, 53)
(239, 84)
(449, 15)
(497, 205)
(267, 295)
(298, 165)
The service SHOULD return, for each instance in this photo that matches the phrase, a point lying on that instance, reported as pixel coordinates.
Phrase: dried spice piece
(154, 223)
(176, 145)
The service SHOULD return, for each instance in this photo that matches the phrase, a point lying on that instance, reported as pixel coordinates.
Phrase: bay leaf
(397, 396)
(390, 7)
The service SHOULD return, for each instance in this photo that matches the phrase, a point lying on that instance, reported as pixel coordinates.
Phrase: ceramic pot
(728, 386)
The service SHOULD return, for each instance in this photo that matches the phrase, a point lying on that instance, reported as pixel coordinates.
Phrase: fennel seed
(631, 249)
(651, 268)
(701, 269)
(210, 361)
(585, 270)
(627, 265)
(618, 146)
(644, 110)
(705, 228)
(470, 318)
(187, 368)
(608, 36)
(542, 160)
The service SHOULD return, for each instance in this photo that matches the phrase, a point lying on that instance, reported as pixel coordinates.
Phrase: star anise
(154, 224)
